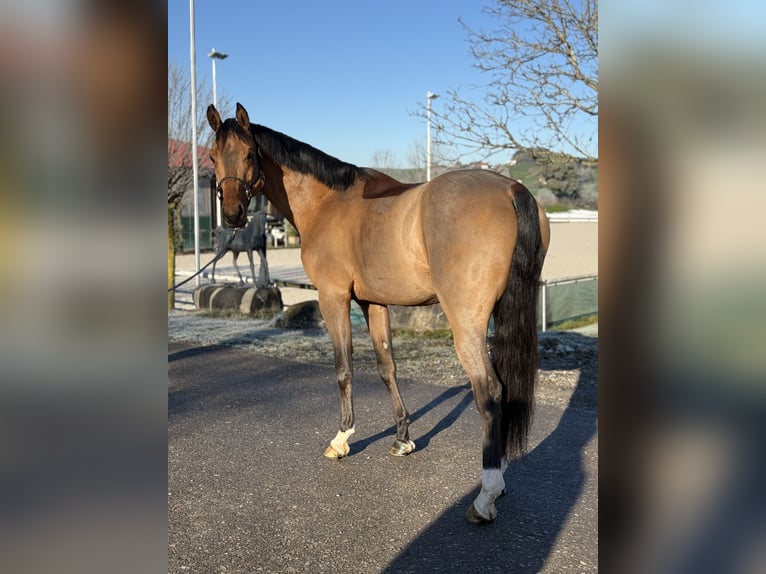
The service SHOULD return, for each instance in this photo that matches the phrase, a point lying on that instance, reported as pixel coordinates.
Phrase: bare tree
(180, 126)
(416, 155)
(383, 158)
(180, 174)
(416, 160)
(542, 92)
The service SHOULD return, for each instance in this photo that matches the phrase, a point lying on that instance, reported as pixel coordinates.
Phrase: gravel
(568, 359)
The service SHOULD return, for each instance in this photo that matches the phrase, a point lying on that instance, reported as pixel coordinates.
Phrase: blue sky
(342, 76)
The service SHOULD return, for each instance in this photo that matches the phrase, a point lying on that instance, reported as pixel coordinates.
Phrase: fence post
(543, 302)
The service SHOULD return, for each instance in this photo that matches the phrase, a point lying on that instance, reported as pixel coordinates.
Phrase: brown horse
(370, 238)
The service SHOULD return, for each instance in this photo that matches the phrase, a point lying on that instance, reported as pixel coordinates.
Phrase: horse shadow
(542, 489)
(444, 423)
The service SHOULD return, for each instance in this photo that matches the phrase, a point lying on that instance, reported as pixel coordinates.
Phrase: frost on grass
(566, 359)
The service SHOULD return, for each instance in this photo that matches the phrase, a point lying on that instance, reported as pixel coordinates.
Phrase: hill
(555, 179)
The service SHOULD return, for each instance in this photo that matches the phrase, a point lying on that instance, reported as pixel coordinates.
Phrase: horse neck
(297, 196)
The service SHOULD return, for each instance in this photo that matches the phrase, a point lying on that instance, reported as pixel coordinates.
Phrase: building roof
(180, 155)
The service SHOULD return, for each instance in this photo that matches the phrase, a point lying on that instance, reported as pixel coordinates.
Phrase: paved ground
(249, 489)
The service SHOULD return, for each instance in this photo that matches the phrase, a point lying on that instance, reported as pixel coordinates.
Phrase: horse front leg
(380, 331)
(336, 309)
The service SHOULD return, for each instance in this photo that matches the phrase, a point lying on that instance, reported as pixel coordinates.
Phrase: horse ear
(242, 117)
(213, 117)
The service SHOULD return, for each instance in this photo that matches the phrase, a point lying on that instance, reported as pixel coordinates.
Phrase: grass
(445, 334)
(235, 314)
(558, 208)
(570, 324)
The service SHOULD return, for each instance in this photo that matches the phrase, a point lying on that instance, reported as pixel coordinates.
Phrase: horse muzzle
(235, 221)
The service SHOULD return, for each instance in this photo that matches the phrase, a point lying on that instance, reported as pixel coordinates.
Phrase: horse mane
(303, 158)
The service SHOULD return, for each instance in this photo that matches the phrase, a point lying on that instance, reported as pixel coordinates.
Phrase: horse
(368, 237)
(248, 239)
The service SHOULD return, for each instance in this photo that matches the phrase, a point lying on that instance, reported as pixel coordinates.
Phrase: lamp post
(429, 96)
(216, 56)
(195, 164)
(213, 55)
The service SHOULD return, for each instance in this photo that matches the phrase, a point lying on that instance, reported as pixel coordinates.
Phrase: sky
(343, 76)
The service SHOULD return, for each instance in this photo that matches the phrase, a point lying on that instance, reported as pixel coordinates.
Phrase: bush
(545, 197)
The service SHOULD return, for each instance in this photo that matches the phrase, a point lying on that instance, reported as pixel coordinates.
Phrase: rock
(418, 319)
(304, 315)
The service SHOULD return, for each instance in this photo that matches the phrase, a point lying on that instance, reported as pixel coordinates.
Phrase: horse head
(237, 160)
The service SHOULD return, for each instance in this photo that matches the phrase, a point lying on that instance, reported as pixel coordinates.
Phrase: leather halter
(250, 188)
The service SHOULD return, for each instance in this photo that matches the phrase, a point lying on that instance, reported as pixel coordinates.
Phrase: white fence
(573, 216)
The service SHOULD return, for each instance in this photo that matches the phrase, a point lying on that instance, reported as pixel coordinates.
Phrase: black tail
(515, 342)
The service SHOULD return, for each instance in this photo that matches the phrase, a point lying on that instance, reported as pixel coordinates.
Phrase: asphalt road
(249, 489)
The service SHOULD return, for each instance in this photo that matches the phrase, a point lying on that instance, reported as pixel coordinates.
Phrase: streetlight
(429, 96)
(213, 56)
(216, 56)
(195, 162)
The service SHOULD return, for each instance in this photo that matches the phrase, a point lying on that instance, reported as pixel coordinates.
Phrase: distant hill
(554, 178)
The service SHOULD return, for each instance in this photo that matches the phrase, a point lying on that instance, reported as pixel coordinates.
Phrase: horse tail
(514, 345)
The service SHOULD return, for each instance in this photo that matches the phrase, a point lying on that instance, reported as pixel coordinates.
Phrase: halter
(250, 188)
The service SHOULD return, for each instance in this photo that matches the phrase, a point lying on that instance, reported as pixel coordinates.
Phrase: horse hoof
(474, 517)
(401, 447)
(331, 452)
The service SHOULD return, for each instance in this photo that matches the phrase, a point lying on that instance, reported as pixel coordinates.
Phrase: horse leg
(252, 267)
(335, 308)
(380, 332)
(234, 255)
(263, 269)
(471, 347)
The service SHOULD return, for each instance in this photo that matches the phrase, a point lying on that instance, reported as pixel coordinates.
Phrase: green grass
(558, 208)
(576, 323)
(427, 334)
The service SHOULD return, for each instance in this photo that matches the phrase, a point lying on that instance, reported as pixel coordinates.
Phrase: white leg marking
(492, 484)
(340, 444)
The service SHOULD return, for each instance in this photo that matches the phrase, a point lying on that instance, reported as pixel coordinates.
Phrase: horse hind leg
(252, 266)
(235, 254)
(471, 348)
(380, 331)
(263, 269)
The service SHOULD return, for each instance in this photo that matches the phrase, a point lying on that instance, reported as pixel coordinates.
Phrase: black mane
(303, 158)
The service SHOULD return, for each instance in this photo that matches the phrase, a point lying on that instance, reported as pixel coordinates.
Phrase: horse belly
(390, 274)
(395, 287)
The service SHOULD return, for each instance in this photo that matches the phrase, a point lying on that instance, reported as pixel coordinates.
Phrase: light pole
(429, 96)
(216, 56)
(195, 163)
